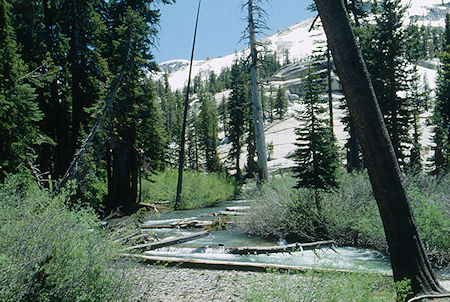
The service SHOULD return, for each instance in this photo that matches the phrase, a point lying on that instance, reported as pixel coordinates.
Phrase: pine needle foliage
(316, 155)
(441, 114)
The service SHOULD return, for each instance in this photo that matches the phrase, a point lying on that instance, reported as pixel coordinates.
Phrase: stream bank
(174, 284)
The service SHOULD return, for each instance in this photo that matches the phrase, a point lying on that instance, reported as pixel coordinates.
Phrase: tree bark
(123, 183)
(330, 92)
(353, 160)
(256, 100)
(408, 258)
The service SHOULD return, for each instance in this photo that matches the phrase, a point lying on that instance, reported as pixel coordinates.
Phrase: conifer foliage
(316, 154)
(385, 55)
(237, 107)
(441, 115)
(19, 112)
(208, 130)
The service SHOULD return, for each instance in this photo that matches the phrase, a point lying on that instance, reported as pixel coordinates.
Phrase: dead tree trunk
(408, 258)
(256, 99)
(330, 89)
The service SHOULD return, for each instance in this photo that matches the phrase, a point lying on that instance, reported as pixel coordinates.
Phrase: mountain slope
(297, 40)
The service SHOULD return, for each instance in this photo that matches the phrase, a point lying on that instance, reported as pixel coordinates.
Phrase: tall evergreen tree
(385, 56)
(152, 138)
(418, 95)
(208, 131)
(316, 154)
(237, 107)
(441, 114)
(19, 113)
(281, 102)
(131, 29)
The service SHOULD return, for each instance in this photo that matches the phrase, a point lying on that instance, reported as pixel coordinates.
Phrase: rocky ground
(159, 283)
(170, 284)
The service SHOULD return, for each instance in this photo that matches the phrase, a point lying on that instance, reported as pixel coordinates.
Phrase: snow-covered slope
(297, 40)
(300, 42)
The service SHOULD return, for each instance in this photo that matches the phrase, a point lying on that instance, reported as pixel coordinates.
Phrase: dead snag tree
(408, 258)
(257, 112)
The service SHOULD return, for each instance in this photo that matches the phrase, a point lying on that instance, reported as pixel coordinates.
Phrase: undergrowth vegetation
(51, 253)
(349, 215)
(318, 286)
(199, 189)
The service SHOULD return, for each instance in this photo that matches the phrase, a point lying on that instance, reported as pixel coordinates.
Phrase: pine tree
(281, 102)
(208, 130)
(441, 114)
(385, 57)
(19, 113)
(131, 31)
(316, 154)
(418, 95)
(192, 143)
(237, 107)
(271, 102)
(223, 115)
(151, 136)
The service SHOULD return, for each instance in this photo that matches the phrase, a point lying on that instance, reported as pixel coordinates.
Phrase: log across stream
(232, 246)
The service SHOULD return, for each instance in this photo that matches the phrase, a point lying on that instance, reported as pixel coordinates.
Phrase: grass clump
(48, 253)
(199, 189)
(317, 286)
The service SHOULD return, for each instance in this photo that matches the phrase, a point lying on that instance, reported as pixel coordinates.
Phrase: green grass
(318, 286)
(199, 189)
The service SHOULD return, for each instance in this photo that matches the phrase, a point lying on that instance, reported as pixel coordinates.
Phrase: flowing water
(213, 246)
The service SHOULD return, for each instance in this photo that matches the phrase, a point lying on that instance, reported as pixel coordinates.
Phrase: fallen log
(149, 206)
(168, 241)
(240, 266)
(180, 224)
(232, 213)
(238, 209)
(127, 237)
(280, 248)
(156, 226)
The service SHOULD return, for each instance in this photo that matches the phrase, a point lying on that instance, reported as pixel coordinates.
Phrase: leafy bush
(48, 253)
(350, 214)
(199, 189)
(281, 211)
(317, 286)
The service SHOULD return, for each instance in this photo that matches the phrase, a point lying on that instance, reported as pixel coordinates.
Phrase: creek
(213, 246)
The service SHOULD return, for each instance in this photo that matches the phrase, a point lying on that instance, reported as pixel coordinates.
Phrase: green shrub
(281, 211)
(48, 253)
(317, 286)
(350, 214)
(199, 189)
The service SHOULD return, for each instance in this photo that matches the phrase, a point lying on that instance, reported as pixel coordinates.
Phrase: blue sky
(220, 26)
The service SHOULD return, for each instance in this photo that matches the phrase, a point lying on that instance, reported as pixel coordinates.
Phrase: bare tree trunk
(330, 92)
(256, 100)
(408, 258)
